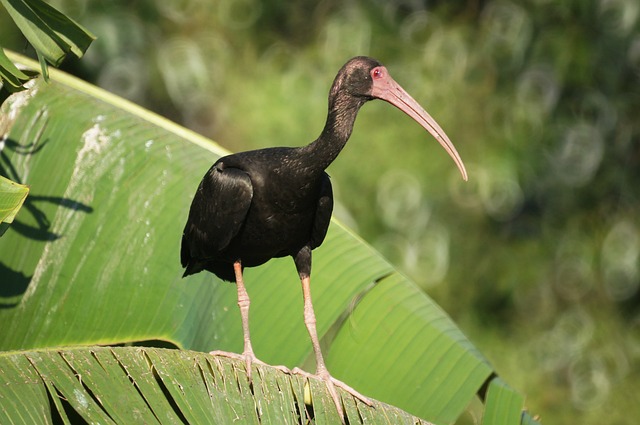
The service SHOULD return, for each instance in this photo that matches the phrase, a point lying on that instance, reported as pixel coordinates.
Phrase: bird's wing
(217, 213)
(323, 212)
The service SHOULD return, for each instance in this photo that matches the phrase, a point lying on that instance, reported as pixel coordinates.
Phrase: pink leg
(321, 368)
(243, 302)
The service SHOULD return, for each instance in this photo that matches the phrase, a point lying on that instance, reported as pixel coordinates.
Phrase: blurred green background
(537, 257)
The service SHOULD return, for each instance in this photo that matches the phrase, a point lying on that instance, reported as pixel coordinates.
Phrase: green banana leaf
(52, 34)
(10, 76)
(12, 196)
(95, 261)
(155, 386)
(503, 406)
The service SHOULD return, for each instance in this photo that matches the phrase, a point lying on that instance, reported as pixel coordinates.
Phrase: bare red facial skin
(377, 73)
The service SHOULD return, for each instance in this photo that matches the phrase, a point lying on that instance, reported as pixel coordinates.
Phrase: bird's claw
(331, 383)
(249, 359)
(227, 354)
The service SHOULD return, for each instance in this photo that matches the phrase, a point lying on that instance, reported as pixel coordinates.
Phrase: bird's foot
(331, 384)
(249, 359)
(227, 354)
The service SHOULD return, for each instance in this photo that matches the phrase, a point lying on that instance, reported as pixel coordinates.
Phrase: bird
(275, 202)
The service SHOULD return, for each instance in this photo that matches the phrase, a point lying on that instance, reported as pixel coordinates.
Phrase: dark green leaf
(10, 74)
(51, 33)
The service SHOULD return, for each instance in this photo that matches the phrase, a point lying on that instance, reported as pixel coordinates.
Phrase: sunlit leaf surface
(128, 385)
(12, 196)
(504, 406)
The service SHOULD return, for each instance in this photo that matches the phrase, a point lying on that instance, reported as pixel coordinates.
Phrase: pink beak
(385, 88)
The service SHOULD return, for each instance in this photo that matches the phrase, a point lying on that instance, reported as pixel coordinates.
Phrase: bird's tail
(192, 268)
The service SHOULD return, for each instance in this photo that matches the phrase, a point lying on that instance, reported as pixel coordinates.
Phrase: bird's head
(355, 77)
(367, 79)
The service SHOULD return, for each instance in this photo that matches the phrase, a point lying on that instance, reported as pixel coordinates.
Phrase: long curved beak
(385, 88)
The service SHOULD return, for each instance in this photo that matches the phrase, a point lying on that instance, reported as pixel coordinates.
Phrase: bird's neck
(341, 117)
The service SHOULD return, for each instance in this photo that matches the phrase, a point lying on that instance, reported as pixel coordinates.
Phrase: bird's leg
(321, 369)
(243, 302)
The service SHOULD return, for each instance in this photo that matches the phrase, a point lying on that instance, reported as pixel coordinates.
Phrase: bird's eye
(376, 73)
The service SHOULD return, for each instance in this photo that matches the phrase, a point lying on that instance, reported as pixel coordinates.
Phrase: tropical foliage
(94, 261)
(537, 256)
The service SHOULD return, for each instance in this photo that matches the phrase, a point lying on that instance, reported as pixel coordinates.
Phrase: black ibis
(253, 206)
